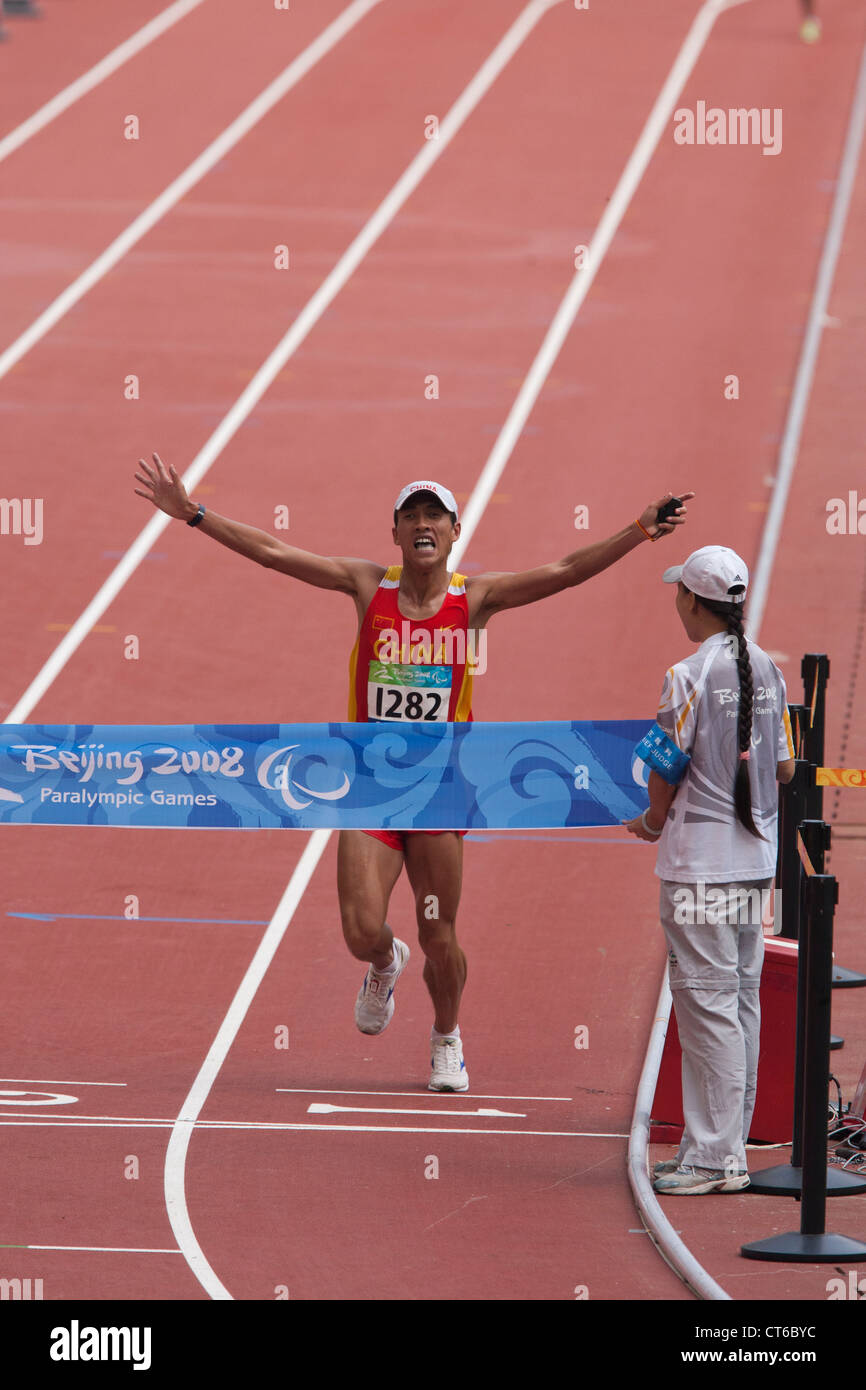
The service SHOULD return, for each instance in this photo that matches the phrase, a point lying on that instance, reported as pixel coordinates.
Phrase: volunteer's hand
(637, 827)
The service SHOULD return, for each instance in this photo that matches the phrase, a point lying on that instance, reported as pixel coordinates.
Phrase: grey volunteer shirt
(699, 709)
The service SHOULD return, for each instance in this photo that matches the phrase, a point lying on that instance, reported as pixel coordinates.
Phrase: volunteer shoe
(695, 1182)
(374, 1006)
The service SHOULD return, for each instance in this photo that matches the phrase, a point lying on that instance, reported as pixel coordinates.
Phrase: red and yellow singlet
(410, 670)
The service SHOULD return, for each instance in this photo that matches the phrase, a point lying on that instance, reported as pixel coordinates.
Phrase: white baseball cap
(445, 497)
(713, 572)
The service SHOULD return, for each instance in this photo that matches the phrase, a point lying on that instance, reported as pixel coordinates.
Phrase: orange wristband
(643, 528)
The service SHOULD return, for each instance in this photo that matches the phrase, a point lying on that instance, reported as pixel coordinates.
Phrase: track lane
(125, 146)
(519, 869)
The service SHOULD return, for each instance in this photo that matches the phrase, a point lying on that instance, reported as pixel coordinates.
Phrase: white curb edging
(659, 1229)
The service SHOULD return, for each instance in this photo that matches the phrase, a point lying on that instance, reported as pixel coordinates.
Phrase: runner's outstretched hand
(164, 488)
(648, 519)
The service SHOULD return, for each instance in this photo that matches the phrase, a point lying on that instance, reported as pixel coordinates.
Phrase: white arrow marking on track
(323, 1109)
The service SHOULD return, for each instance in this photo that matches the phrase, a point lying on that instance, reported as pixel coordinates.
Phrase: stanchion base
(787, 1181)
(836, 1043)
(797, 1248)
(847, 979)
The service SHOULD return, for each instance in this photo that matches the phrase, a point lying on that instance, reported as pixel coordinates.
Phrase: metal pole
(815, 670)
(811, 1244)
(792, 809)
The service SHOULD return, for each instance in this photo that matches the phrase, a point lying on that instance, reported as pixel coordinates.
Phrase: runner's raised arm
(491, 593)
(164, 488)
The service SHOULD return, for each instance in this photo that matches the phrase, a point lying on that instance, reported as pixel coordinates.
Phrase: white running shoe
(687, 1181)
(449, 1069)
(374, 1006)
(667, 1165)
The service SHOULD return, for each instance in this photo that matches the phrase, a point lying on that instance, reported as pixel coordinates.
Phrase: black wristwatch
(194, 521)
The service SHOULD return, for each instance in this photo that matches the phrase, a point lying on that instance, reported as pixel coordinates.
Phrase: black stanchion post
(792, 810)
(815, 670)
(795, 713)
(812, 1244)
(785, 1179)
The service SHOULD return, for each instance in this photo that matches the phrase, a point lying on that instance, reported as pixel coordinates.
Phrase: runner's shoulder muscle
(477, 598)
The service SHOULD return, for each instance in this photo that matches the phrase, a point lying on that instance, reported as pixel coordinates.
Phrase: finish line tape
(372, 776)
(840, 776)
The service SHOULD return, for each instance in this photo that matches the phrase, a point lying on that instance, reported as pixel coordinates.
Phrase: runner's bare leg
(367, 870)
(434, 864)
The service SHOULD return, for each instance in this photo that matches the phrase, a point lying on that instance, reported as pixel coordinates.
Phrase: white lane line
(303, 324)
(57, 1120)
(322, 1108)
(86, 1121)
(98, 1249)
(581, 283)
(29, 1081)
(414, 1095)
(92, 78)
(180, 186)
(237, 1125)
(790, 445)
(178, 1144)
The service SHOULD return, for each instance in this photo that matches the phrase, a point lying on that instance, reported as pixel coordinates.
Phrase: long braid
(733, 615)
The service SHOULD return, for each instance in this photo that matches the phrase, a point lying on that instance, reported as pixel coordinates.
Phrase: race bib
(418, 693)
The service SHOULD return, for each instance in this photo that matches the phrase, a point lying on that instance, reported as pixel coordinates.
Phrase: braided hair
(733, 615)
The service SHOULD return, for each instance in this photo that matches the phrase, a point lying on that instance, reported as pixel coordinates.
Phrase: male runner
(450, 610)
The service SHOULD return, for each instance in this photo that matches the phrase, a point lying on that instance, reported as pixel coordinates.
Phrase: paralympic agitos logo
(278, 778)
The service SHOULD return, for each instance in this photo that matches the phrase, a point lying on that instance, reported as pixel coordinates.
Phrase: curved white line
(178, 1144)
(661, 1232)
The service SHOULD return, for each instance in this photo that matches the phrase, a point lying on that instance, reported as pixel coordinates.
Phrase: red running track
(709, 274)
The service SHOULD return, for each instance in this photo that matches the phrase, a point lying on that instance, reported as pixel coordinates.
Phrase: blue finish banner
(374, 776)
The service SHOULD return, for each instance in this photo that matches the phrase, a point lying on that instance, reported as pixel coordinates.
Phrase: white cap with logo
(445, 497)
(713, 572)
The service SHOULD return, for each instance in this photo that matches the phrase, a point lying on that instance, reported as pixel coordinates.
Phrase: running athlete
(388, 682)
